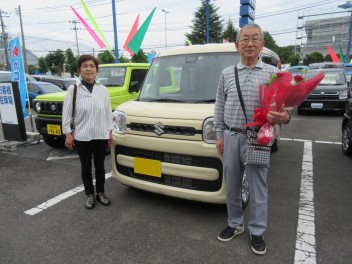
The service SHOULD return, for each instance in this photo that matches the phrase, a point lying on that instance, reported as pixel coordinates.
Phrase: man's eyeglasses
(255, 40)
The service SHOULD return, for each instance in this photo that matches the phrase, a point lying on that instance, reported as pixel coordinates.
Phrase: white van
(164, 142)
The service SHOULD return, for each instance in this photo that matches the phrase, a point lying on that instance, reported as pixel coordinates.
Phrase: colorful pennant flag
(334, 57)
(342, 57)
(131, 35)
(136, 42)
(95, 25)
(91, 32)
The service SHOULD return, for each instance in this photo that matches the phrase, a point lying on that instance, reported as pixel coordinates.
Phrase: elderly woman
(88, 127)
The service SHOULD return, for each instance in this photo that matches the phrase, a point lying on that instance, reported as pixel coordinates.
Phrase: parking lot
(43, 219)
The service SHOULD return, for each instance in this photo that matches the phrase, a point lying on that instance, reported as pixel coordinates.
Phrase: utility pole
(75, 22)
(165, 27)
(4, 37)
(23, 42)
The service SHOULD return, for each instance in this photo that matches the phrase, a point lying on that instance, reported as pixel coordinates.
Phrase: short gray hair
(252, 25)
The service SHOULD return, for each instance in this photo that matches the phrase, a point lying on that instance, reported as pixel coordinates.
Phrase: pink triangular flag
(334, 57)
(91, 32)
(131, 35)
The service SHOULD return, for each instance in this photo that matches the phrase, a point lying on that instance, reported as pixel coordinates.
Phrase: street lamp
(346, 6)
(165, 27)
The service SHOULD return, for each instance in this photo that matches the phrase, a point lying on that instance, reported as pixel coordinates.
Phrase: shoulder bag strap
(240, 93)
(74, 101)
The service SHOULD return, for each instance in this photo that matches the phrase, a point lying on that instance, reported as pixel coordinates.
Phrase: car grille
(54, 108)
(170, 180)
(174, 130)
(324, 96)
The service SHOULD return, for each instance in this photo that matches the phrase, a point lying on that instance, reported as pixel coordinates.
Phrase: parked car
(348, 70)
(331, 93)
(38, 88)
(63, 83)
(123, 81)
(165, 142)
(347, 130)
(327, 64)
(5, 76)
(297, 70)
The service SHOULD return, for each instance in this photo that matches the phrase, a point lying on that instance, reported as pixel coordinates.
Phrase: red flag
(332, 54)
(131, 35)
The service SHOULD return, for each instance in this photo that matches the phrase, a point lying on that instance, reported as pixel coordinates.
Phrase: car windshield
(186, 78)
(111, 76)
(49, 87)
(296, 70)
(330, 78)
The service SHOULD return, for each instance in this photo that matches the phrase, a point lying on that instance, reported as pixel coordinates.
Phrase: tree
(31, 69)
(105, 57)
(313, 57)
(55, 61)
(123, 59)
(230, 32)
(285, 52)
(270, 42)
(327, 57)
(197, 36)
(71, 62)
(140, 57)
(42, 66)
(293, 60)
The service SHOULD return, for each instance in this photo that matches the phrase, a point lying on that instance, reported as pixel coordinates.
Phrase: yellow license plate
(147, 167)
(54, 129)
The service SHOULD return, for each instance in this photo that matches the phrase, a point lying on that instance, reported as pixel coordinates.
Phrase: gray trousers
(233, 162)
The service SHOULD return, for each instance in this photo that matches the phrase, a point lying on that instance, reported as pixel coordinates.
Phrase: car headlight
(343, 94)
(209, 133)
(37, 107)
(119, 122)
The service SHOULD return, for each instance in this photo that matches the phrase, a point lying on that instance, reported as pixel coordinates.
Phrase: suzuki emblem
(159, 129)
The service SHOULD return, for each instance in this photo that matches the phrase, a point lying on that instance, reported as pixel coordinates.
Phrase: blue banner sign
(247, 12)
(248, 2)
(17, 71)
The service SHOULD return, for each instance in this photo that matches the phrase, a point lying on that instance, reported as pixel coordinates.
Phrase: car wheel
(245, 191)
(54, 142)
(347, 140)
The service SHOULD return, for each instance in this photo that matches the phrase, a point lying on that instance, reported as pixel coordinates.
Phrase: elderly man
(231, 137)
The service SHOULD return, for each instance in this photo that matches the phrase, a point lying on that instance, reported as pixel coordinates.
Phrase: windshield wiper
(205, 101)
(166, 100)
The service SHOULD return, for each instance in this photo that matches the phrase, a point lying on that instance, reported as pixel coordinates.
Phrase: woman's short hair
(84, 58)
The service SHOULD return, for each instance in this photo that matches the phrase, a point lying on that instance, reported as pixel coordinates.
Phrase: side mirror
(134, 87)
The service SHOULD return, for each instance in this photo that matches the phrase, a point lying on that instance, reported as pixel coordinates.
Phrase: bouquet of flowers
(281, 89)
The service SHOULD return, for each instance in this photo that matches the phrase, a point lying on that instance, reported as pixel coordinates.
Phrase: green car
(123, 81)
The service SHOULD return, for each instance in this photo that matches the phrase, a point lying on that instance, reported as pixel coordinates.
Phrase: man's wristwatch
(289, 118)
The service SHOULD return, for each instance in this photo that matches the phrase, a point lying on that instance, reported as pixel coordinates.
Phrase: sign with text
(11, 113)
(247, 12)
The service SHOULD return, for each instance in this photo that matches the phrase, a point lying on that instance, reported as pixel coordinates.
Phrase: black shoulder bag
(72, 124)
(255, 154)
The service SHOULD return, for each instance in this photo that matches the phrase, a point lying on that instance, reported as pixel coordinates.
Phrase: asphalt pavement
(308, 174)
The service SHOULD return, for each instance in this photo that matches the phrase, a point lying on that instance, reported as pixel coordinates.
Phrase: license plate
(54, 129)
(316, 105)
(147, 167)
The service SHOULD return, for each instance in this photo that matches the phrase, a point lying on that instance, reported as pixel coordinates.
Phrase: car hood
(167, 110)
(60, 96)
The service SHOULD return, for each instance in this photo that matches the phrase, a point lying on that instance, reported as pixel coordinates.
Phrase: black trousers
(86, 150)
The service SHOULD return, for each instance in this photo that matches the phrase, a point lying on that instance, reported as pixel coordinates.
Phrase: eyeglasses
(246, 40)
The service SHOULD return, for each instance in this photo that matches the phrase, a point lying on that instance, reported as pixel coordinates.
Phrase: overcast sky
(46, 23)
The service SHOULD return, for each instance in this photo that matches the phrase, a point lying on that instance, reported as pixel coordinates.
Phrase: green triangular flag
(342, 57)
(137, 39)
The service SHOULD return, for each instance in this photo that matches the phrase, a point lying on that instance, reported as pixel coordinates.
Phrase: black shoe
(103, 199)
(230, 232)
(90, 203)
(258, 244)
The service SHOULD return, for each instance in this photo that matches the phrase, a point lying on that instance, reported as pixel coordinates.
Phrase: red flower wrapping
(282, 89)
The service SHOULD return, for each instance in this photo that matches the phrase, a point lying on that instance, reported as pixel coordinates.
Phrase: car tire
(347, 140)
(53, 142)
(245, 195)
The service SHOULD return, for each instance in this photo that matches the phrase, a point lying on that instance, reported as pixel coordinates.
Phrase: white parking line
(314, 141)
(305, 238)
(59, 198)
